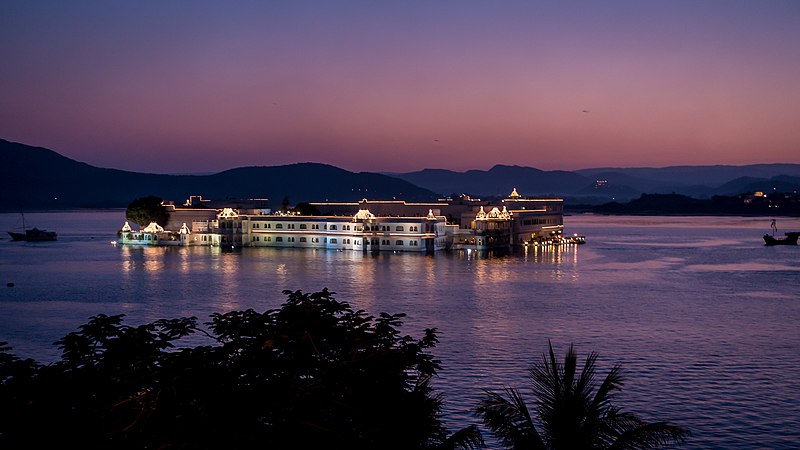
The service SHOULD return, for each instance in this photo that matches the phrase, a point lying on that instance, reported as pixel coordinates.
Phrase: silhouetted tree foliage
(285, 204)
(147, 209)
(774, 204)
(307, 209)
(571, 411)
(313, 374)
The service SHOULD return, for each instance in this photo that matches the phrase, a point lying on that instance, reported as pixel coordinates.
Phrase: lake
(700, 314)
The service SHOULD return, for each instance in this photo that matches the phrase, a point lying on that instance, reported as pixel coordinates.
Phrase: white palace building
(399, 226)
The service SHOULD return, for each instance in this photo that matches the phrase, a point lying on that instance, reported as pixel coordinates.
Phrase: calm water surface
(701, 315)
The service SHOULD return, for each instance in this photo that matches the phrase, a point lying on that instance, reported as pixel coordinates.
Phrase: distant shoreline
(65, 210)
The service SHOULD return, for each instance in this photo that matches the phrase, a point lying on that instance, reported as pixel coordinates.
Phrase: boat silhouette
(32, 234)
(790, 239)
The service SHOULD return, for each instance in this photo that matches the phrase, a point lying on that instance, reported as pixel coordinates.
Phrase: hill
(780, 204)
(699, 181)
(498, 181)
(604, 184)
(38, 178)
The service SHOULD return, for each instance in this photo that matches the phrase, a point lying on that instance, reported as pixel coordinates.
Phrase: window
(279, 239)
(291, 226)
(269, 225)
(398, 228)
(278, 225)
(303, 226)
(315, 226)
(333, 240)
(399, 242)
(268, 239)
(302, 239)
(333, 227)
(255, 225)
(291, 239)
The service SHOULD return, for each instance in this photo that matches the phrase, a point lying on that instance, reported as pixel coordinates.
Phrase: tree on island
(285, 203)
(307, 209)
(147, 209)
(572, 412)
(313, 374)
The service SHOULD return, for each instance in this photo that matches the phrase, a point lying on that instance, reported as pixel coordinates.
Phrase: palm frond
(585, 382)
(612, 382)
(468, 438)
(572, 411)
(568, 371)
(508, 418)
(650, 436)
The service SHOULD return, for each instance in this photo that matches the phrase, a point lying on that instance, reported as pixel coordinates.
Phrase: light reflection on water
(741, 267)
(638, 242)
(702, 316)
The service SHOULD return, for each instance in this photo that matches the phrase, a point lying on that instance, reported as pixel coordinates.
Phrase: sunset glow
(370, 86)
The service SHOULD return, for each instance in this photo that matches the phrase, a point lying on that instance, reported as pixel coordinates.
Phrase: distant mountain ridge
(604, 184)
(497, 181)
(38, 178)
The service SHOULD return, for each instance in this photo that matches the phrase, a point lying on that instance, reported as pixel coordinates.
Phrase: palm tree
(572, 412)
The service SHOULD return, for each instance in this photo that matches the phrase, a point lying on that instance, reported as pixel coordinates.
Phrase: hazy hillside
(38, 178)
(780, 183)
(498, 181)
(618, 183)
(712, 176)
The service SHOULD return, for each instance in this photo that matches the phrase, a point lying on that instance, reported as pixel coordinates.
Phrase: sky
(398, 86)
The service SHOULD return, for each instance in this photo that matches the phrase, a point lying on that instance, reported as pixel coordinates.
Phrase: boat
(32, 234)
(790, 239)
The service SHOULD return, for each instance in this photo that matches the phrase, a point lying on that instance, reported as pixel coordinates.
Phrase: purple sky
(195, 86)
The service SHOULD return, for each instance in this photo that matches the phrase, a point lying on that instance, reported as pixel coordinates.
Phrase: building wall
(415, 234)
(382, 208)
(179, 216)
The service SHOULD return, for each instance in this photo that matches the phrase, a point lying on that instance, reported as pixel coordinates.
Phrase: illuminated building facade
(402, 226)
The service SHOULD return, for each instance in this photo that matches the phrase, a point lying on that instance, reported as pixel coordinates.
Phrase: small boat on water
(32, 234)
(790, 239)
